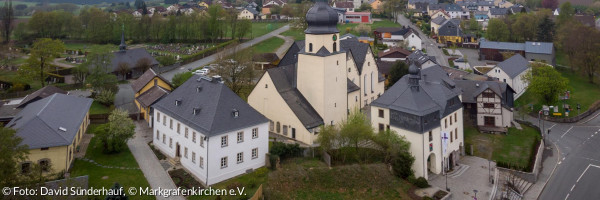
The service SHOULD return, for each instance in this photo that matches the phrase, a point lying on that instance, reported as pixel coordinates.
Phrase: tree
(583, 49)
(123, 68)
(237, 69)
(80, 73)
(398, 70)
(138, 4)
(243, 28)
(524, 28)
(100, 78)
(13, 153)
(393, 8)
(365, 7)
(397, 152)
(566, 13)
(143, 63)
(180, 78)
(105, 97)
(119, 129)
(43, 52)
(363, 29)
(497, 30)
(545, 82)
(7, 18)
(550, 4)
(546, 30)
(355, 129)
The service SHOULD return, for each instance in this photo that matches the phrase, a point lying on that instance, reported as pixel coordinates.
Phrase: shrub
(206, 52)
(166, 60)
(420, 182)
(285, 151)
(105, 97)
(273, 160)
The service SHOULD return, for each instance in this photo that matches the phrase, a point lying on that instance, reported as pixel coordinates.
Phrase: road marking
(552, 126)
(572, 187)
(567, 197)
(590, 119)
(563, 135)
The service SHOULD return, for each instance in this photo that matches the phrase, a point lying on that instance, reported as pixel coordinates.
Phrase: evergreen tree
(7, 18)
(546, 30)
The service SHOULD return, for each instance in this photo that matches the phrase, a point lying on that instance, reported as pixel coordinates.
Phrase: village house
(511, 71)
(404, 37)
(421, 59)
(485, 5)
(149, 88)
(489, 104)
(497, 12)
(424, 106)
(393, 54)
(346, 5)
(248, 13)
(130, 63)
(318, 81)
(210, 131)
(450, 33)
(413, 4)
(456, 11)
(376, 6)
(437, 22)
(52, 129)
(357, 17)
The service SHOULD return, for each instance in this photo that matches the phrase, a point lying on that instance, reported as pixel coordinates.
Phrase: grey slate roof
(423, 1)
(131, 57)
(216, 103)
(485, 3)
(471, 89)
(501, 45)
(498, 11)
(40, 94)
(358, 49)
(439, 20)
(450, 28)
(344, 4)
(454, 8)
(291, 56)
(39, 122)
(143, 80)
(436, 6)
(418, 57)
(434, 91)
(284, 79)
(152, 95)
(539, 47)
(352, 87)
(323, 52)
(321, 19)
(514, 66)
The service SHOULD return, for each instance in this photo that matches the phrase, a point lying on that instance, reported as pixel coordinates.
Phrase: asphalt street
(429, 44)
(210, 59)
(578, 170)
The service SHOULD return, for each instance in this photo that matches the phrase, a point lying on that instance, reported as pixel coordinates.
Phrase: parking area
(472, 56)
(471, 174)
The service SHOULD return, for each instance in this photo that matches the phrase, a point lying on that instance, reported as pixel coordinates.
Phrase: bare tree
(143, 63)
(123, 69)
(236, 69)
(7, 18)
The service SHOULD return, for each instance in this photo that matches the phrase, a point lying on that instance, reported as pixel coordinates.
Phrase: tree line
(521, 27)
(97, 26)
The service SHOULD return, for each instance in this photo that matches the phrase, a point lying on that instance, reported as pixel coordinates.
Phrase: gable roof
(344, 4)
(450, 28)
(291, 56)
(471, 89)
(40, 122)
(284, 79)
(501, 45)
(131, 57)
(214, 103)
(423, 1)
(143, 80)
(40, 94)
(394, 50)
(152, 95)
(439, 20)
(513, 66)
(498, 11)
(419, 58)
(352, 86)
(358, 50)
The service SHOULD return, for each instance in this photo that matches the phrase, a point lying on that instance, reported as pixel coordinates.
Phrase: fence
(258, 194)
(593, 108)
(103, 118)
(327, 158)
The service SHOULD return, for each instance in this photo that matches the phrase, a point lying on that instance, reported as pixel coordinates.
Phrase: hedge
(206, 52)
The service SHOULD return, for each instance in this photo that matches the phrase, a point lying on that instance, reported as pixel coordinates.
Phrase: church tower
(321, 76)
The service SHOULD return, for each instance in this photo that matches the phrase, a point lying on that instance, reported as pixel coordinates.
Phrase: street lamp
(475, 191)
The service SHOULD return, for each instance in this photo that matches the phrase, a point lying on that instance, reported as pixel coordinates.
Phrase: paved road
(430, 44)
(155, 174)
(205, 61)
(578, 170)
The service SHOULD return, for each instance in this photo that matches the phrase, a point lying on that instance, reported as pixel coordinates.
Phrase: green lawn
(98, 108)
(561, 58)
(582, 92)
(297, 34)
(92, 48)
(259, 29)
(106, 177)
(515, 147)
(268, 46)
(306, 178)
(343, 28)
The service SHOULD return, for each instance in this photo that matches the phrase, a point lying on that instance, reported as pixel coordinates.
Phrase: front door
(177, 154)
(364, 19)
(489, 121)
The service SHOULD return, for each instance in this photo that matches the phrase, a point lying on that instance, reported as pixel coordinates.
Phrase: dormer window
(199, 88)
(235, 113)
(196, 111)
(178, 102)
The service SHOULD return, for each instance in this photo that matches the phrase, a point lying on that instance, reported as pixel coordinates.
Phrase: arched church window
(309, 47)
(334, 47)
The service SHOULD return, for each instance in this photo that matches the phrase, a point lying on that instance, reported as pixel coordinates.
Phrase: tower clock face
(334, 38)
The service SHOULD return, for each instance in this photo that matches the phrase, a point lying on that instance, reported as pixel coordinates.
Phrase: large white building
(213, 133)
(511, 71)
(425, 107)
(318, 81)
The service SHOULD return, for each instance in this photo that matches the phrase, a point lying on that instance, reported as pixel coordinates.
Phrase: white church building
(318, 81)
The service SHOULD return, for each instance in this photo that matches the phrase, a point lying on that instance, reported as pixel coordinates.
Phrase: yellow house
(203, 4)
(376, 5)
(52, 129)
(450, 32)
(149, 88)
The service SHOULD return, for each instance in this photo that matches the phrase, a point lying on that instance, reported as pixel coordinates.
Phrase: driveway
(472, 56)
(210, 59)
(471, 175)
(429, 44)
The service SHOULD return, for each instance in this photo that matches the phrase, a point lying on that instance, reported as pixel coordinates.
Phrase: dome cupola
(321, 19)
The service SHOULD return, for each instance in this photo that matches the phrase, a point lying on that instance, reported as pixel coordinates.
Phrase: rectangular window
(157, 117)
(271, 126)
(446, 122)
(254, 133)
(44, 149)
(456, 133)
(178, 128)
(193, 137)
(240, 157)
(171, 124)
(381, 113)
(224, 141)
(454, 117)
(164, 120)
(240, 137)
(185, 152)
(450, 120)
(451, 136)
(223, 162)
(164, 139)
(186, 132)
(201, 160)
(157, 134)
(381, 127)
(488, 95)
(202, 141)
(488, 105)
(193, 157)
(430, 136)
(254, 153)
(171, 143)
(285, 129)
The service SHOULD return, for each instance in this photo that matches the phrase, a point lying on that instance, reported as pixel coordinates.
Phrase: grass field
(343, 28)
(268, 46)
(582, 92)
(514, 147)
(295, 33)
(259, 29)
(106, 177)
(98, 108)
(305, 178)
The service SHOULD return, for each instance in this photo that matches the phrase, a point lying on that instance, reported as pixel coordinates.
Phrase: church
(319, 81)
